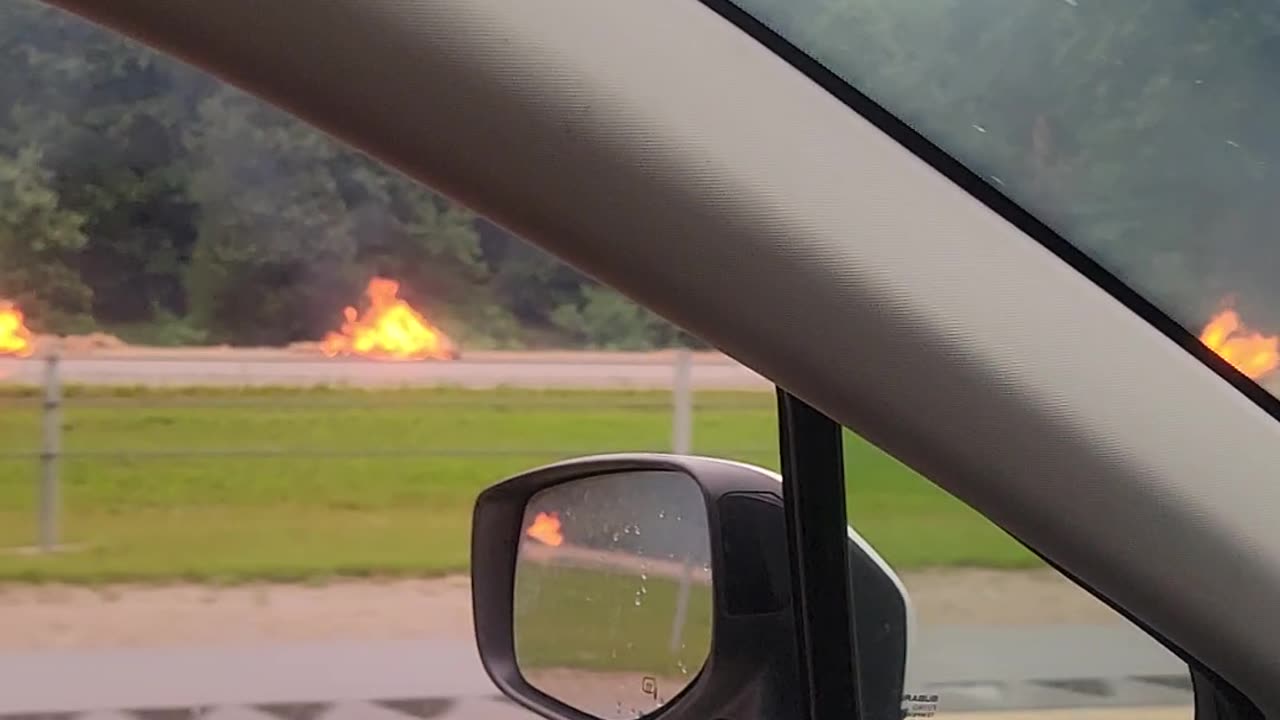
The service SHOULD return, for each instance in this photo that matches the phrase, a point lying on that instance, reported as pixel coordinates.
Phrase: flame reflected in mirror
(613, 606)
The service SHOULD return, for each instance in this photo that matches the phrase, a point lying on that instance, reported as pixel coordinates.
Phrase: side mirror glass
(612, 604)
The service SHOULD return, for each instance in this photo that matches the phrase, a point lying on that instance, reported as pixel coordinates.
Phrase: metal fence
(677, 373)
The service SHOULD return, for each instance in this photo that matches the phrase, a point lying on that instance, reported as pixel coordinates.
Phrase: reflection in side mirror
(658, 586)
(612, 603)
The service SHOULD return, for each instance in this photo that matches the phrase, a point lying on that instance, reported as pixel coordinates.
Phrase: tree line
(141, 197)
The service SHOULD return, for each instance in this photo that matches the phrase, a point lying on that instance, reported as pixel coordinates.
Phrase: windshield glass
(1144, 132)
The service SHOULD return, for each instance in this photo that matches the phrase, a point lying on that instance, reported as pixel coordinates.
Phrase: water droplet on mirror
(644, 576)
(638, 600)
(615, 537)
(662, 514)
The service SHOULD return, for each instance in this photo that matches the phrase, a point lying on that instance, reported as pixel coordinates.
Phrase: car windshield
(1143, 132)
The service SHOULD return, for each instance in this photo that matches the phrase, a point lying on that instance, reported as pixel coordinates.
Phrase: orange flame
(546, 529)
(390, 329)
(1252, 353)
(15, 338)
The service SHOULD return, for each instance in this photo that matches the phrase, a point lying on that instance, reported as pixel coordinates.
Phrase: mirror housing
(752, 664)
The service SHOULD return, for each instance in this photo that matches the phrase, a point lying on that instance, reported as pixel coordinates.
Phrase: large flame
(1252, 353)
(546, 529)
(15, 338)
(389, 329)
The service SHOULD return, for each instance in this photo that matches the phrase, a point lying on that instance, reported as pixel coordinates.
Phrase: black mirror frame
(752, 669)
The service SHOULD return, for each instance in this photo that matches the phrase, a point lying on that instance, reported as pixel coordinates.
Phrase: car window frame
(511, 213)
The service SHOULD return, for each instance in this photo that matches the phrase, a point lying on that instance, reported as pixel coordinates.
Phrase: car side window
(253, 382)
(996, 629)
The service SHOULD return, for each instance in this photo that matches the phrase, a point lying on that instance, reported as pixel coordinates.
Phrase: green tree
(207, 215)
(40, 242)
(528, 283)
(274, 259)
(108, 115)
(405, 230)
(608, 321)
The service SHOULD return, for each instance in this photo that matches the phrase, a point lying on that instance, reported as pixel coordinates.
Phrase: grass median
(218, 485)
(578, 619)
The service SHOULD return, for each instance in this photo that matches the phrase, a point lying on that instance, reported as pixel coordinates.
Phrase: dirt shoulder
(50, 616)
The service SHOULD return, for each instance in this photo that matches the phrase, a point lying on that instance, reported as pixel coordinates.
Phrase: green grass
(390, 481)
(569, 617)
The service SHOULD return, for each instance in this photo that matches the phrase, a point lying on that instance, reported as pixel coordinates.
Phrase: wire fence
(588, 410)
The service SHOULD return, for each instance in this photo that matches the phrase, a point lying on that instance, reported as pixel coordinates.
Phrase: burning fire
(1251, 353)
(390, 329)
(546, 529)
(15, 338)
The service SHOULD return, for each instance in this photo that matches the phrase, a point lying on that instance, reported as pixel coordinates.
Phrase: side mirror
(627, 586)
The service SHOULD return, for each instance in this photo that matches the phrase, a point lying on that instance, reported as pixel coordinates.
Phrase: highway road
(709, 371)
(972, 669)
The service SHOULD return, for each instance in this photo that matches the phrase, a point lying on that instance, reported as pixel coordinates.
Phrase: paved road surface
(481, 370)
(972, 668)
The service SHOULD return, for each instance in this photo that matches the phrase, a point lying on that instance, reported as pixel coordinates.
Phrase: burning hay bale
(15, 339)
(389, 329)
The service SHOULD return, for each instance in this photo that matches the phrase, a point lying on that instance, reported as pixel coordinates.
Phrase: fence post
(51, 448)
(682, 404)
